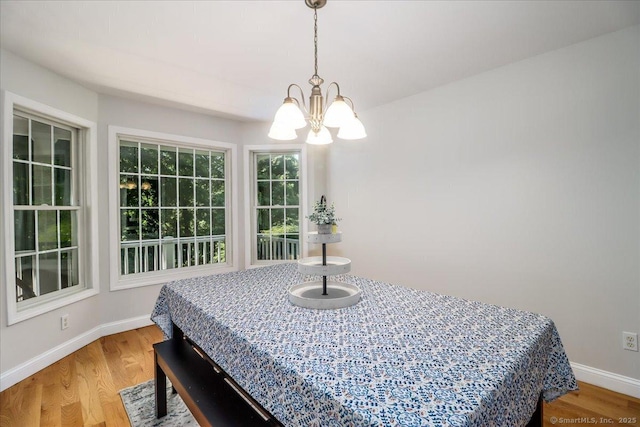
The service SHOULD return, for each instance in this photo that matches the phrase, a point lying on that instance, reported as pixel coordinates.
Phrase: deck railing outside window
(154, 255)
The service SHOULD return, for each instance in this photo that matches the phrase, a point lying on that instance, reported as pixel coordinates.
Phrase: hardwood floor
(82, 390)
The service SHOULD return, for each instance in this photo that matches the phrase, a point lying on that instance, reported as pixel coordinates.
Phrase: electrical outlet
(630, 341)
(64, 321)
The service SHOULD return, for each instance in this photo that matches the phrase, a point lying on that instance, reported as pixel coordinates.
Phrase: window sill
(165, 276)
(44, 307)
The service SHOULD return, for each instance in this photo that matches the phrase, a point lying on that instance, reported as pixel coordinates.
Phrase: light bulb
(281, 132)
(352, 129)
(323, 137)
(290, 115)
(338, 113)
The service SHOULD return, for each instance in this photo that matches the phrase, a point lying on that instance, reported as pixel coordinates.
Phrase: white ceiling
(236, 58)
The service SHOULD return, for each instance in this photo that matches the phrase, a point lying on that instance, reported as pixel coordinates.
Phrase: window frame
(250, 197)
(87, 177)
(136, 280)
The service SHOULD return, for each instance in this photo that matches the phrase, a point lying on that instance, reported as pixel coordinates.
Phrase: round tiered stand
(324, 294)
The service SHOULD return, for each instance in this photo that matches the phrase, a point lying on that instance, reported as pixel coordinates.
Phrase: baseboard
(126, 325)
(30, 367)
(609, 380)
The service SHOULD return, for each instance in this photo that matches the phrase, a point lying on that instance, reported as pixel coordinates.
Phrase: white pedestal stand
(324, 294)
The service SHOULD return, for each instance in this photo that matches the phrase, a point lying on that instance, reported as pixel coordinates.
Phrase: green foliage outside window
(173, 194)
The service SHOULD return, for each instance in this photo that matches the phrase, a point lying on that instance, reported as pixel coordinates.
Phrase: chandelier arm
(304, 105)
(350, 102)
(326, 96)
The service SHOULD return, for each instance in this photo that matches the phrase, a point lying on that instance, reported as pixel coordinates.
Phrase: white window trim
(87, 137)
(249, 217)
(117, 282)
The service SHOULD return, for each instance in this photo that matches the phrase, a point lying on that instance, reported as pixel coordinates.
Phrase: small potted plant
(323, 216)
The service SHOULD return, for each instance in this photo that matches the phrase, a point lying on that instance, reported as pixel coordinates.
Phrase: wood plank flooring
(82, 390)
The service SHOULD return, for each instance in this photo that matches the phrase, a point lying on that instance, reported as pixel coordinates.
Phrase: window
(44, 210)
(173, 206)
(46, 228)
(275, 204)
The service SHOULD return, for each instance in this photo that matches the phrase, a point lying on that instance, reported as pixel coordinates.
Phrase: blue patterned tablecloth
(400, 357)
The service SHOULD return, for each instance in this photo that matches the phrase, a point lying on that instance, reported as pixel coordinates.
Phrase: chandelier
(339, 114)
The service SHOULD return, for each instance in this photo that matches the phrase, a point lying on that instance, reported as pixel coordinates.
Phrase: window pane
(292, 246)
(263, 166)
(292, 193)
(188, 249)
(277, 221)
(169, 258)
(129, 191)
(168, 160)
(277, 193)
(186, 223)
(217, 165)
(149, 191)
(169, 221)
(62, 195)
(130, 224)
(292, 168)
(291, 217)
(41, 140)
(69, 268)
(203, 222)
(218, 253)
(20, 183)
(202, 192)
(277, 167)
(186, 192)
(217, 193)
(47, 230)
(68, 233)
(217, 222)
(168, 193)
(202, 164)
(48, 272)
(25, 278)
(128, 156)
(41, 185)
(204, 252)
(149, 158)
(25, 225)
(264, 193)
(62, 147)
(150, 223)
(185, 162)
(264, 221)
(20, 138)
(263, 247)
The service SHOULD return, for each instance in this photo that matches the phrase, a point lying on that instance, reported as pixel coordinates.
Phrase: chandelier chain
(315, 38)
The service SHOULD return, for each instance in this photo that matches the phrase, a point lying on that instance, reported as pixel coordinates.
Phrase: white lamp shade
(321, 138)
(281, 132)
(337, 114)
(352, 129)
(290, 115)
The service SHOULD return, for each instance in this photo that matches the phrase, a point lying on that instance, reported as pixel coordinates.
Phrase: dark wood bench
(210, 394)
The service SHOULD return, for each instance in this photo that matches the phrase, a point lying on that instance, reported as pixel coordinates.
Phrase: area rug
(140, 404)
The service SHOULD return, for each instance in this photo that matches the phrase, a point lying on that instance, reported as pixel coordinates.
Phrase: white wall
(88, 318)
(109, 311)
(519, 187)
(117, 111)
(26, 79)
